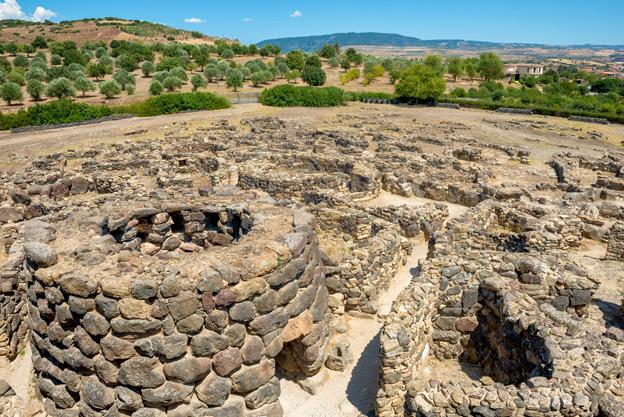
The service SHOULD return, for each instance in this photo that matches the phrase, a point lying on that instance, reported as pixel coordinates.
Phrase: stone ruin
(515, 315)
(144, 305)
(185, 275)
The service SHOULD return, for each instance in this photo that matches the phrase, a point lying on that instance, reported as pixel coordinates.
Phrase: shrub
(175, 103)
(35, 89)
(60, 88)
(289, 96)
(10, 91)
(313, 75)
(130, 90)
(458, 92)
(110, 89)
(60, 111)
(155, 88)
(352, 74)
(362, 95)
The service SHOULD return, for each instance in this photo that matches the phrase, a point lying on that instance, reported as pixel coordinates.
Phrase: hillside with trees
(90, 30)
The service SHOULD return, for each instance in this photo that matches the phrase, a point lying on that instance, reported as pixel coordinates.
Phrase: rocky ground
(414, 207)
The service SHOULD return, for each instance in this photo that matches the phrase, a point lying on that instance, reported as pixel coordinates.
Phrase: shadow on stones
(363, 385)
(612, 313)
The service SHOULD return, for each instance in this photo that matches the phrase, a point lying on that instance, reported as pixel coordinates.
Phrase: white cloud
(194, 20)
(42, 14)
(247, 19)
(11, 9)
(296, 13)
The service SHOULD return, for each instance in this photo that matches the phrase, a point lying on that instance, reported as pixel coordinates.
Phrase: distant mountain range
(313, 43)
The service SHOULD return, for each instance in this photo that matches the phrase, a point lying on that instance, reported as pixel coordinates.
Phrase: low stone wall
(380, 250)
(405, 343)
(199, 333)
(13, 307)
(615, 245)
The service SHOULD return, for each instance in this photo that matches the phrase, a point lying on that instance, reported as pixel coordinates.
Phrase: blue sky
(541, 21)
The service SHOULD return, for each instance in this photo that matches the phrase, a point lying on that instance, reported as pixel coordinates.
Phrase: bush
(362, 95)
(352, 74)
(10, 91)
(178, 102)
(110, 89)
(458, 92)
(290, 96)
(155, 88)
(61, 111)
(60, 88)
(66, 111)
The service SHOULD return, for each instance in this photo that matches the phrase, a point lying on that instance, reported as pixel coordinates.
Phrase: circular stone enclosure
(162, 308)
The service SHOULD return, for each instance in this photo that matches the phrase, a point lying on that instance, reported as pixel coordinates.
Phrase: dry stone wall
(116, 331)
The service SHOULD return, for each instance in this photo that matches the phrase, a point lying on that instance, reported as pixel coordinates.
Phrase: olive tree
(234, 79)
(124, 79)
(172, 83)
(227, 54)
(10, 91)
(35, 89)
(148, 68)
(60, 88)
(197, 81)
(155, 88)
(84, 84)
(110, 89)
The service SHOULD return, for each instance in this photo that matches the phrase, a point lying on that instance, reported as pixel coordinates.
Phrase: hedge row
(291, 96)
(545, 111)
(364, 95)
(66, 111)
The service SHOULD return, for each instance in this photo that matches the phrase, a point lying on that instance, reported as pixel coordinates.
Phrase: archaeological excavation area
(373, 260)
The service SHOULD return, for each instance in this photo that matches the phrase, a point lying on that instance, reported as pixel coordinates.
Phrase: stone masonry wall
(115, 340)
(615, 246)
